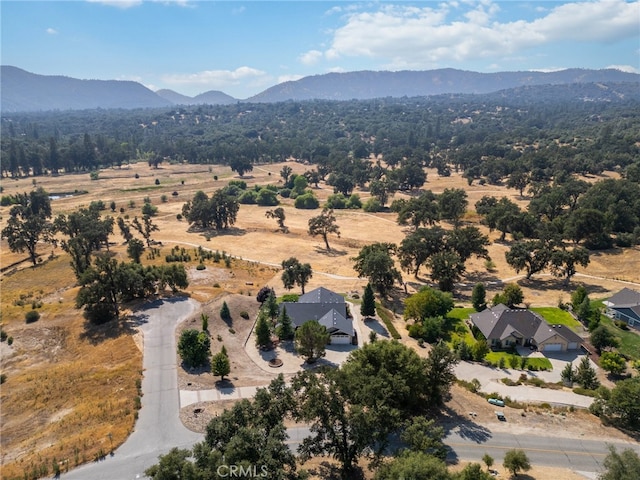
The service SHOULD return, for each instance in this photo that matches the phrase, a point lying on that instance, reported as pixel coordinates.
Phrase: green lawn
(456, 329)
(629, 340)
(556, 316)
(532, 363)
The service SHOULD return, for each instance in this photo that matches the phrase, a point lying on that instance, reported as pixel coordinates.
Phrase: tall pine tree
(285, 327)
(263, 332)
(368, 307)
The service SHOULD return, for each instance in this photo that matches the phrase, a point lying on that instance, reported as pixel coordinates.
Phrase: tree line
(490, 138)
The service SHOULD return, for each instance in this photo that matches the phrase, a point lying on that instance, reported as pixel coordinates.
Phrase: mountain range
(24, 91)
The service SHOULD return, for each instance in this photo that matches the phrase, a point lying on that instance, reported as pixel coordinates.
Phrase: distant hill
(24, 91)
(174, 97)
(367, 84)
(212, 97)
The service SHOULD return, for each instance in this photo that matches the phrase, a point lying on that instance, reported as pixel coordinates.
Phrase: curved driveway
(158, 428)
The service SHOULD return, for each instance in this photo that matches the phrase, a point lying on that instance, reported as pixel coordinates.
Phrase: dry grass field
(71, 389)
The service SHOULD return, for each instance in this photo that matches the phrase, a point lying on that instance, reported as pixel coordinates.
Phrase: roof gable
(624, 298)
(336, 323)
(494, 322)
(321, 295)
(547, 331)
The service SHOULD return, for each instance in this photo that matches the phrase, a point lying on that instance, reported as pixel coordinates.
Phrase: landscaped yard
(556, 316)
(456, 330)
(629, 340)
(532, 363)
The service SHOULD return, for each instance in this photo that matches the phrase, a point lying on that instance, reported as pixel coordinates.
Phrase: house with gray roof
(328, 308)
(625, 306)
(505, 327)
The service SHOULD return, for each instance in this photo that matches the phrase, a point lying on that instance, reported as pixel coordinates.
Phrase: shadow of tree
(330, 253)
(464, 426)
(96, 334)
(199, 370)
(227, 386)
(377, 327)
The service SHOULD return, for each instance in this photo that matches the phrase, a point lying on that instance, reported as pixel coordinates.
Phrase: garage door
(553, 347)
(340, 339)
(573, 346)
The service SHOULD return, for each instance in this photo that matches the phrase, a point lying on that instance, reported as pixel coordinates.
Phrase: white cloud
(216, 78)
(311, 57)
(118, 3)
(625, 68)
(238, 10)
(124, 4)
(289, 78)
(51, 31)
(418, 37)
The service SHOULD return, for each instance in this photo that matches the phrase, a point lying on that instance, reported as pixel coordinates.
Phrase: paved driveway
(158, 428)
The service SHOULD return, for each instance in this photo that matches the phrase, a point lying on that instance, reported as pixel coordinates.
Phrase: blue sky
(242, 48)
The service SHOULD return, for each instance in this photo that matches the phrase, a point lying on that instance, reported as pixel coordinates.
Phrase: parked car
(496, 401)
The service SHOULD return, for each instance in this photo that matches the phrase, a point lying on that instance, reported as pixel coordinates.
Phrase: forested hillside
(531, 138)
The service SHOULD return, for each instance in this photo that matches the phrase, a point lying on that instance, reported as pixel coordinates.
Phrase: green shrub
(386, 318)
(622, 324)
(290, 297)
(149, 209)
(3, 335)
(3, 378)
(285, 192)
(201, 266)
(354, 202)
(32, 316)
(244, 314)
(372, 205)
(307, 201)
(510, 383)
(337, 201)
(247, 198)
(586, 392)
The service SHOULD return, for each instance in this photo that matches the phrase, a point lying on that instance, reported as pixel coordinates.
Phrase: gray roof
(336, 323)
(501, 322)
(624, 298)
(547, 331)
(495, 322)
(321, 295)
(315, 305)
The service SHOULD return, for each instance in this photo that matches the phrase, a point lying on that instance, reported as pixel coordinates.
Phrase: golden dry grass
(66, 391)
(42, 417)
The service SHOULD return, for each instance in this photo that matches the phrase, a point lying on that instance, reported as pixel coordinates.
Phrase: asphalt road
(553, 451)
(159, 429)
